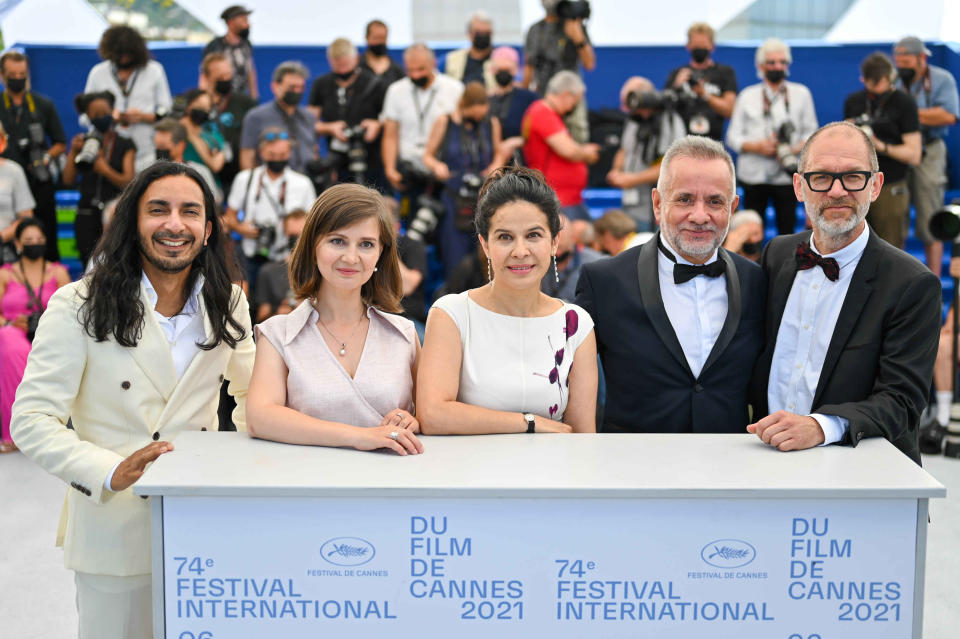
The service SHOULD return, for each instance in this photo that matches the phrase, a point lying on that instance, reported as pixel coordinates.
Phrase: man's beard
(697, 250)
(839, 228)
(165, 264)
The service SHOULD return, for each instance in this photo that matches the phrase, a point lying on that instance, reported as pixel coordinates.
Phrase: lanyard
(422, 113)
(30, 105)
(767, 103)
(126, 88)
(277, 207)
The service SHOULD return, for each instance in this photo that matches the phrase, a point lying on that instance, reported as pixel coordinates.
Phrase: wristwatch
(531, 422)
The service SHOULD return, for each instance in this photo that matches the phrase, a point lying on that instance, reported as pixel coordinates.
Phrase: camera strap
(277, 206)
(472, 145)
(875, 113)
(126, 88)
(768, 103)
(8, 105)
(422, 113)
(37, 304)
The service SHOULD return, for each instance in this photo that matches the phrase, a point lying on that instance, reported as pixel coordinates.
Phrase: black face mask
(378, 50)
(292, 98)
(34, 251)
(775, 76)
(102, 123)
(16, 85)
(699, 55)
(907, 75)
(199, 116)
(276, 166)
(421, 81)
(244, 33)
(163, 155)
(292, 241)
(752, 248)
(223, 87)
(345, 76)
(504, 78)
(482, 41)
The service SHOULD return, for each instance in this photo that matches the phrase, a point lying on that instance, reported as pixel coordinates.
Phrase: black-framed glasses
(822, 181)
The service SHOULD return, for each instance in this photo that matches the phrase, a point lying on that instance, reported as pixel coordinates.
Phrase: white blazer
(120, 400)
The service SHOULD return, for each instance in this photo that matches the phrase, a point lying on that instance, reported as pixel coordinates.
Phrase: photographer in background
(509, 102)
(16, 202)
(473, 63)
(36, 138)
(709, 89)
(745, 235)
(652, 127)
(889, 117)
(347, 103)
(171, 138)
(229, 108)
(376, 58)
(235, 46)
(771, 121)
(265, 195)
(559, 42)
(102, 161)
(463, 148)
(938, 105)
(274, 296)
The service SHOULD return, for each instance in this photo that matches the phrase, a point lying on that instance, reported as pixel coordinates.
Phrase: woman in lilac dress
(25, 285)
(339, 370)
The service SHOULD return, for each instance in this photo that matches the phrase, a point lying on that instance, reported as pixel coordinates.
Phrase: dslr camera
(465, 202)
(32, 148)
(92, 143)
(356, 155)
(785, 156)
(865, 123)
(656, 100)
(573, 9)
(265, 241)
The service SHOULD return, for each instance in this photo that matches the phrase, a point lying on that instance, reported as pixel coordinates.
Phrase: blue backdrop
(830, 71)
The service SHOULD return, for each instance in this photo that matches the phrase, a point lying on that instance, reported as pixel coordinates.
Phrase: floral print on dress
(572, 322)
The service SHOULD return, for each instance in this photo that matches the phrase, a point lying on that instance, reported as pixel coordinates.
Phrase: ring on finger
(394, 435)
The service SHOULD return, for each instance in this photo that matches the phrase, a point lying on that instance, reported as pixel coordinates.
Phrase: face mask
(292, 98)
(504, 78)
(223, 87)
(199, 116)
(421, 82)
(907, 75)
(163, 155)
(34, 251)
(292, 241)
(276, 166)
(752, 248)
(481, 41)
(16, 85)
(775, 76)
(378, 50)
(102, 123)
(345, 76)
(700, 55)
(244, 33)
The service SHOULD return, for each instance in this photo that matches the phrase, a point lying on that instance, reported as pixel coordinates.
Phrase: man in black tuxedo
(679, 320)
(852, 322)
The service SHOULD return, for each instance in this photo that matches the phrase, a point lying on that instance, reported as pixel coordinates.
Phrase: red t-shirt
(567, 178)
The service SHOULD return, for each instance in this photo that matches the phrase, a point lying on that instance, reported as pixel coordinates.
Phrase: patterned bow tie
(807, 258)
(686, 272)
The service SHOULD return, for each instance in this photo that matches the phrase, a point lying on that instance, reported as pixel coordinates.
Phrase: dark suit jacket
(879, 365)
(650, 388)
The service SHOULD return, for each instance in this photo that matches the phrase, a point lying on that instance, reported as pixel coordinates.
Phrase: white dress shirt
(751, 121)
(415, 110)
(806, 329)
(183, 332)
(697, 309)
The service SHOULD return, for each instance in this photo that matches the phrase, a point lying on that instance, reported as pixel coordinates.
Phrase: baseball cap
(233, 11)
(911, 45)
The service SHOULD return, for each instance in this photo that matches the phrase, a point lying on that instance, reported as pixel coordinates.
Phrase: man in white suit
(134, 353)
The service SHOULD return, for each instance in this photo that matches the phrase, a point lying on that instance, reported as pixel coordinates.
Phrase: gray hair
(288, 67)
(770, 45)
(871, 150)
(479, 16)
(745, 216)
(696, 147)
(565, 82)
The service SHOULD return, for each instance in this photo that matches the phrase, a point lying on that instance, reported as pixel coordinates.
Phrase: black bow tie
(686, 272)
(807, 258)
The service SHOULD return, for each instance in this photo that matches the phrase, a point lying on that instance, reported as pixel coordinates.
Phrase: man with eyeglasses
(852, 322)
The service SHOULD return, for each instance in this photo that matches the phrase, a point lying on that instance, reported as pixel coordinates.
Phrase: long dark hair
(112, 304)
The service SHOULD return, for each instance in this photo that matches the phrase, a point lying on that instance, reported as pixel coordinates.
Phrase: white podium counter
(667, 536)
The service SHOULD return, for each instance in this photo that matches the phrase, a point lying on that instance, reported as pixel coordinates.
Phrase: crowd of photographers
(426, 139)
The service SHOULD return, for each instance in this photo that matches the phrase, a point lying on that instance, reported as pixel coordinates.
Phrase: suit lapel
(734, 307)
(152, 352)
(853, 304)
(649, 279)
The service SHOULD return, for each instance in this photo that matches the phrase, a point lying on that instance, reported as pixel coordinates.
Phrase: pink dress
(14, 345)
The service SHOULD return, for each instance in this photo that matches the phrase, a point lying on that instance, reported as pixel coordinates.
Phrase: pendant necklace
(343, 344)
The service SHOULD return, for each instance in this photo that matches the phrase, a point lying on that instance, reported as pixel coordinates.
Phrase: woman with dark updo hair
(506, 357)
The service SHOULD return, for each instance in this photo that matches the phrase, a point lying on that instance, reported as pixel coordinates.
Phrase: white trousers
(114, 607)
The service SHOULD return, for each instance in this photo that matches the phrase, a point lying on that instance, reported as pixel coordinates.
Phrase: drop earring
(556, 273)
(489, 270)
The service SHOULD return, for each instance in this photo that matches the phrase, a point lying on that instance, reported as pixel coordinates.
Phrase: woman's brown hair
(339, 206)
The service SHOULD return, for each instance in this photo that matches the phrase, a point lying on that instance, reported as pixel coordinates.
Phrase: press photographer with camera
(102, 162)
(472, 64)
(651, 128)
(708, 89)
(229, 109)
(463, 148)
(25, 287)
(376, 58)
(36, 139)
(265, 195)
(559, 42)
(347, 103)
(889, 117)
(770, 122)
(16, 202)
(235, 46)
